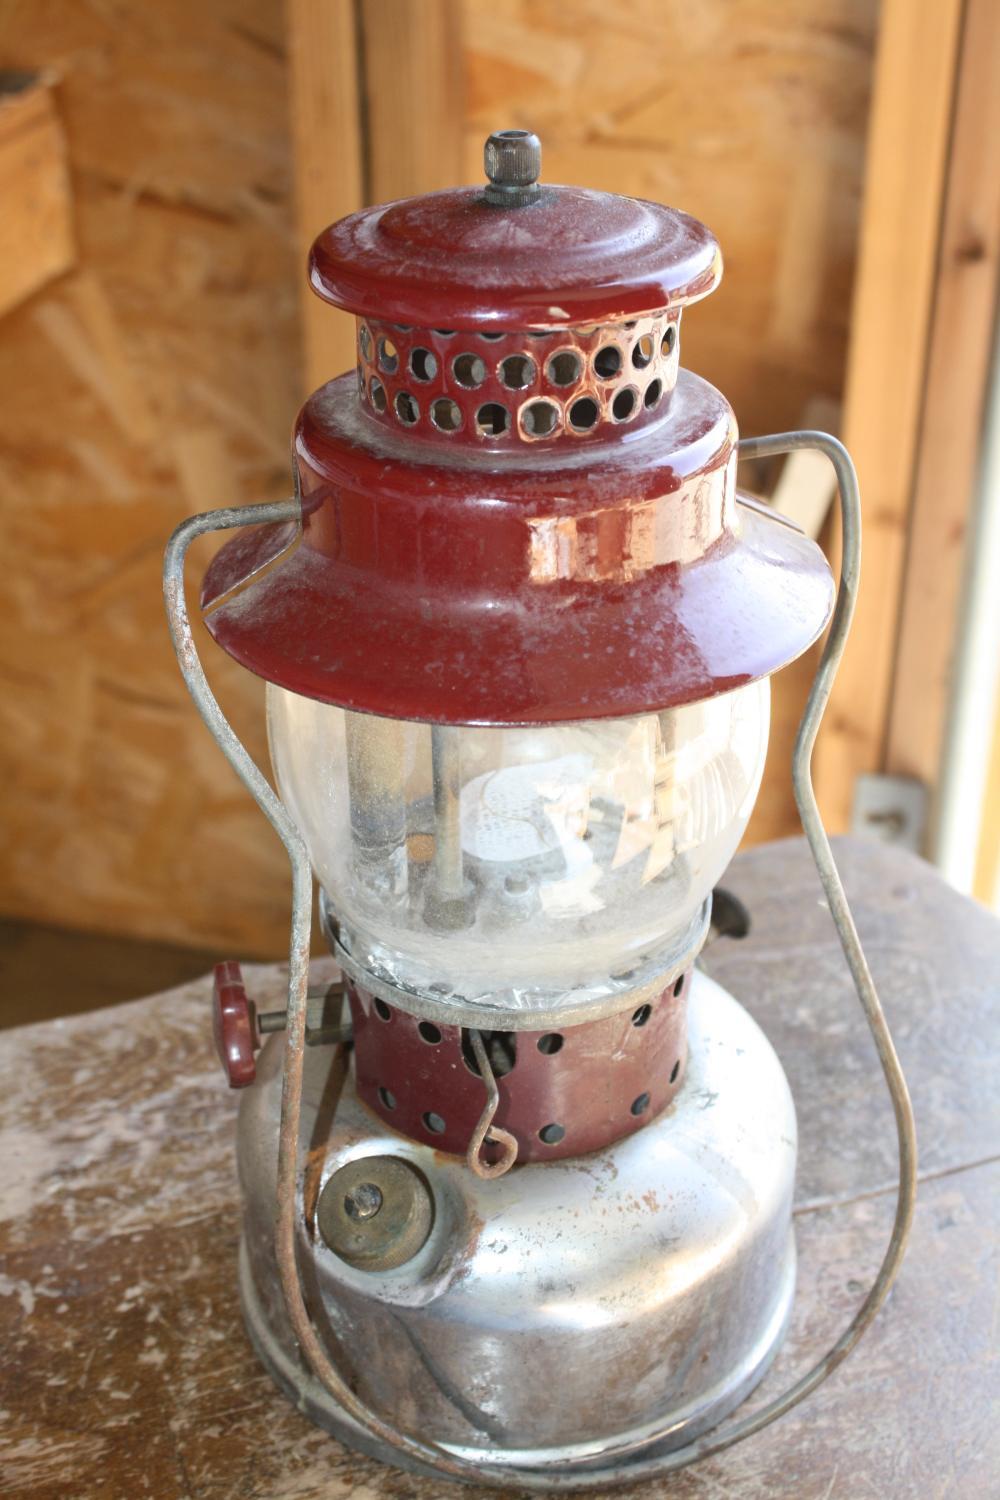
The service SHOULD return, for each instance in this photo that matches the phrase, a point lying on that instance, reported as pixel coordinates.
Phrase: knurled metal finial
(512, 160)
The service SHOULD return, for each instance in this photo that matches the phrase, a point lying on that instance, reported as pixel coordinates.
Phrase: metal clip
(486, 1130)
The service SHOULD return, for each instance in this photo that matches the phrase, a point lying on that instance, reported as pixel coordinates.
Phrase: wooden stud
(894, 291)
(413, 96)
(954, 394)
(986, 879)
(329, 170)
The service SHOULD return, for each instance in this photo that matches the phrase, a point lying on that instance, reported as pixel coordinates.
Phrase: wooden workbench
(124, 1369)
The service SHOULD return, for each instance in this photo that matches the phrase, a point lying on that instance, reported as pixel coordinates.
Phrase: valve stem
(449, 904)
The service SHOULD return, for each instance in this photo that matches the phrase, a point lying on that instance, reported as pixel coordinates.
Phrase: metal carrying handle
(429, 1456)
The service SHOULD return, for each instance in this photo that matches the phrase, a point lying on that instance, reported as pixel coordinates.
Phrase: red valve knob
(234, 1025)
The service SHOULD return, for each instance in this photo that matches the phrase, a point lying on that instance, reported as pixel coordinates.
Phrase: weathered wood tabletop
(124, 1368)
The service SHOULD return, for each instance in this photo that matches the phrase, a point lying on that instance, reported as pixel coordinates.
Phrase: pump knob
(234, 1025)
(239, 1028)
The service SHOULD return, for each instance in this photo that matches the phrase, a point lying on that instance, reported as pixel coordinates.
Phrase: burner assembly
(518, 1186)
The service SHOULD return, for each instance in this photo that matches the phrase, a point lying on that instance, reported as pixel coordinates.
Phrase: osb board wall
(157, 378)
(160, 376)
(752, 116)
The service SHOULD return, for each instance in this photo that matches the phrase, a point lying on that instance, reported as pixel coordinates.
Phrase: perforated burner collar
(500, 390)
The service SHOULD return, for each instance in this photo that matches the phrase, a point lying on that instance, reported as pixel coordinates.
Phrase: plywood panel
(158, 378)
(753, 118)
(162, 375)
(36, 230)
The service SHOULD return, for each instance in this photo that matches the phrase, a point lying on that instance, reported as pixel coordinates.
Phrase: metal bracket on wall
(892, 809)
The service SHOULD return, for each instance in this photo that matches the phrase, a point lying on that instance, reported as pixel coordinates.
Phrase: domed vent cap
(454, 260)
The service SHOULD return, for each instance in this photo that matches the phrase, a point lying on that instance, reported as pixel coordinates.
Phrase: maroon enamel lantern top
(519, 509)
(577, 257)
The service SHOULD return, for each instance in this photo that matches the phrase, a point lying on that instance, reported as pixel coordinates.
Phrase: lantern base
(560, 1315)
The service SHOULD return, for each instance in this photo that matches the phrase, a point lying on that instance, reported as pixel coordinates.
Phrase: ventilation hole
(365, 342)
(423, 364)
(387, 1098)
(550, 1043)
(564, 368)
(669, 340)
(407, 409)
(445, 333)
(654, 391)
(539, 418)
(492, 420)
(361, 381)
(642, 1015)
(376, 392)
(382, 1011)
(539, 333)
(446, 416)
(640, 1105)
(403, 327)
(608, 362)
(517, 371)
(679, 985)
(551, 1135)
(429, 1032)
(388, 356)
(675, 1070)
(642, 351)
(584, 413)
(469, 370)
(492, 337)
(434, 1123)
(624, 405)
(501, 1051)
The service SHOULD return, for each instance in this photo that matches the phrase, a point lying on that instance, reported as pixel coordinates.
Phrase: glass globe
(513, 864)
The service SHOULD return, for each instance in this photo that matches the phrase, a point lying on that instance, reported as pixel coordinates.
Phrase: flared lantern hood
(519, 509)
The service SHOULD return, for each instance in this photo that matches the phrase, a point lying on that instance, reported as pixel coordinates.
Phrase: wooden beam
(893, 296)
(413, 96)
(986, 879)
(329, 174)
(954, 397)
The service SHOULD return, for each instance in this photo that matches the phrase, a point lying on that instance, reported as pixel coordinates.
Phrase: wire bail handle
(625, 1464)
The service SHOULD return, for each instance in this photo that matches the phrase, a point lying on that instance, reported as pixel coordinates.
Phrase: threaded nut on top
(512, 160)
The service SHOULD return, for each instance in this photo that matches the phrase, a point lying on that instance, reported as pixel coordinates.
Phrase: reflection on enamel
(620, 542)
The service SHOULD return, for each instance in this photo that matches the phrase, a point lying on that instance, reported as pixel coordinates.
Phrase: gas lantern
(518, 1187)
